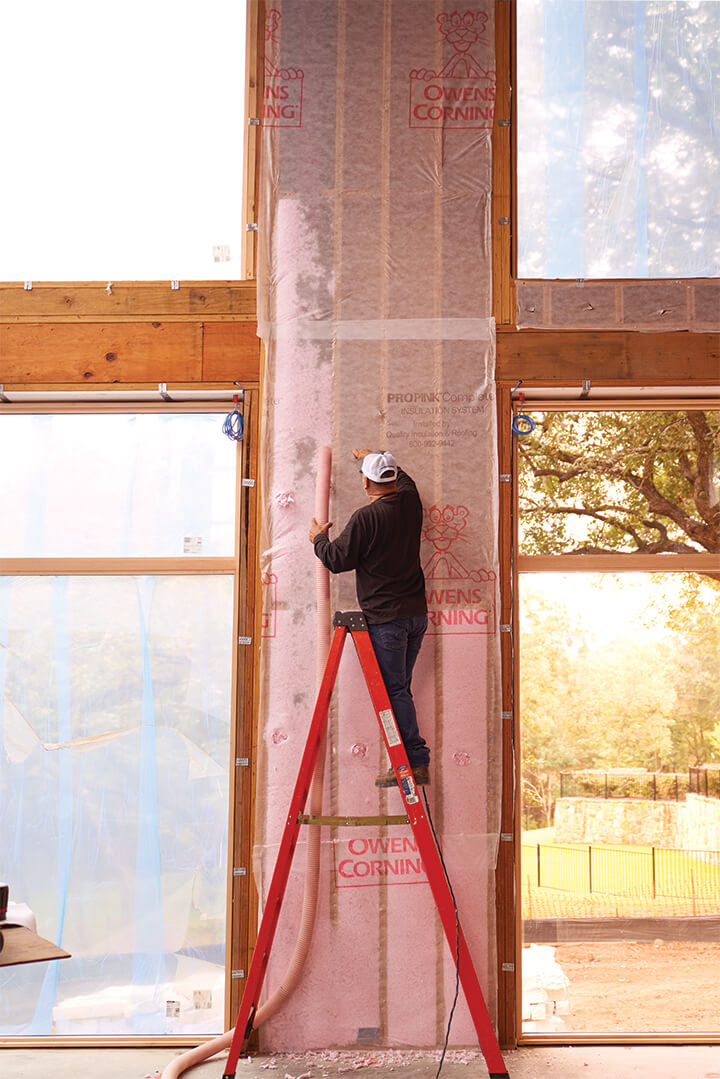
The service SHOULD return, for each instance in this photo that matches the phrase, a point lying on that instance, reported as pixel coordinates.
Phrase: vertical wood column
(507, 916)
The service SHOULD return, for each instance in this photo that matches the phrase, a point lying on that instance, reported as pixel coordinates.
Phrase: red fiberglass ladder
(354, 623)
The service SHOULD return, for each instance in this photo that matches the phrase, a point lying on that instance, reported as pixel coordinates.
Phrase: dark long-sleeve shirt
(381, 542)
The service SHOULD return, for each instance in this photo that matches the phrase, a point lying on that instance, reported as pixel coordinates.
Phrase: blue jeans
(396, 645)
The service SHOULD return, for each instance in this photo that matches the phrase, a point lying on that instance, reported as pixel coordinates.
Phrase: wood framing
(615, 357)
(132, 301)
(502, 217)
(506, 930)
(561, 360)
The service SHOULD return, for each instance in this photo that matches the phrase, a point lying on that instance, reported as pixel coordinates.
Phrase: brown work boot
(389, 779)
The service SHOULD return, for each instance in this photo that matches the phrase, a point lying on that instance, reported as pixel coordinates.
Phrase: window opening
(618, 139)
(116, 691)
(124, 147)
(620, 721)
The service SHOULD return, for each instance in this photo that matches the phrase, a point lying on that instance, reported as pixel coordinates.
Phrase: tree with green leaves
(603, 482)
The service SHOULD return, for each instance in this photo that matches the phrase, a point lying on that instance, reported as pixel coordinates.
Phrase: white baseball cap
(379, 467)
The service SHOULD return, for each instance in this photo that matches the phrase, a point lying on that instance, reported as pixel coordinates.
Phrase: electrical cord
(457, 936)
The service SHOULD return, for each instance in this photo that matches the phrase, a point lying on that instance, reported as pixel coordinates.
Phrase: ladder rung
(308, 818)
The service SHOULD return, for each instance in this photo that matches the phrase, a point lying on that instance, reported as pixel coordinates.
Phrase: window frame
(241, 902)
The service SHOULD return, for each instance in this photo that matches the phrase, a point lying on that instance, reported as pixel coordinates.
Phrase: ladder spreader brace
(353, 622)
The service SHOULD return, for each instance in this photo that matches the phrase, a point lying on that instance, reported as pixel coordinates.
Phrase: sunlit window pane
(114, 743)
(620, 853)
(122, 151)
(116, 486)
(618, 139)
(643, 482)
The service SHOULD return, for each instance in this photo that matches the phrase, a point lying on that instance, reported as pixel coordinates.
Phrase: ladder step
(308, 818)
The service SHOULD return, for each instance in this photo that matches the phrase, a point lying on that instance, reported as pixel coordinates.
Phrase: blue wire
(233, 425)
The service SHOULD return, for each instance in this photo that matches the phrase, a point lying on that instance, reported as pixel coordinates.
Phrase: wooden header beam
(128, 352)
(566, 357)
(96, 301)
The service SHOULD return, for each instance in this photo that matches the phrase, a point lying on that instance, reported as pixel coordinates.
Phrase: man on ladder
(381, 542)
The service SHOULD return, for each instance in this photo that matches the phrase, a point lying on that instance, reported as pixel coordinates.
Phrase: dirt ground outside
(648, 987)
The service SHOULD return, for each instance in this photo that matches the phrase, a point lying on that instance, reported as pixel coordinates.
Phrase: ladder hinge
(248, 483)
(244, 640)
(242, 762)
(239, 871)
(237, 974)
(506, 715)
(508, 966)
(507, 837)
(251, 227)
(505, 477)
(505, 629)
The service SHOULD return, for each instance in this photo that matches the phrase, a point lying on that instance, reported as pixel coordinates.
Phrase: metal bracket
(503, 221)
(509, 967)
(251, 227)
(506, 628)
(505, 477)
(350, 619)
(254, 121)
(244, 640)
(5, 400)
(237, 974)
(506, 715)
(162, 390)
(506, 837)
(28, 286)
(504, 123)
(586, 388)
(174, 285)
(242, 762)
(239, 871)
(248, 483)
(308, 818)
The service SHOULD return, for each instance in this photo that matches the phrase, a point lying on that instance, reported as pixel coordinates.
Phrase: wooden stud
(255, 70)
(506, 929)
(501, 203)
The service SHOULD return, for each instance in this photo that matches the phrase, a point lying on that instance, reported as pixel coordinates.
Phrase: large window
(123, 149)
(619, 598)
(118, 568)
(618, 143)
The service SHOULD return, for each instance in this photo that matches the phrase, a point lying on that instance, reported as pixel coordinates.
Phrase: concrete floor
(579, 1062)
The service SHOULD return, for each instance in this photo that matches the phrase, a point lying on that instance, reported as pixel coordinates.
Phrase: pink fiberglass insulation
(375, 312)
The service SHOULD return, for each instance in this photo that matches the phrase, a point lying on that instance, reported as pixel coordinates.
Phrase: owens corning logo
(459, 600)
(462, 94)
(282, 106)
(268, 618)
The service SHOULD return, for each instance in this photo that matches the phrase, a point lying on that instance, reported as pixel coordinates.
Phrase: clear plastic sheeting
(116, 486)
(114, 743)
(618, 143)
(374, 290)
(629, 305)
